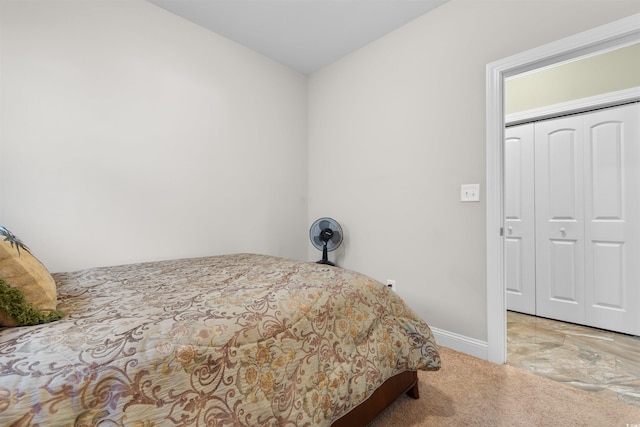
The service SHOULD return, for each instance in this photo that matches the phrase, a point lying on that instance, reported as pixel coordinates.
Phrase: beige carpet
(471, 392)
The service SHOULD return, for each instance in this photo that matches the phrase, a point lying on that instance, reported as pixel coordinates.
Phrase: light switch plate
(470, 193)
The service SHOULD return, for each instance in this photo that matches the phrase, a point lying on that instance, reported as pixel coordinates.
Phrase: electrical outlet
(391, 284)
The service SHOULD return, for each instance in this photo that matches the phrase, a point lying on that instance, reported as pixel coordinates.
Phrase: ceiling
(305, 35)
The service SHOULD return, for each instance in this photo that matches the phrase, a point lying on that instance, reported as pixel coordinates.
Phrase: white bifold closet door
(559, 212)
(587, 218)
(519, 219)
(612, 218)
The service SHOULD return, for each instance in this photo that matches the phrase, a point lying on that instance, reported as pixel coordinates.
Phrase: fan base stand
(325, 257)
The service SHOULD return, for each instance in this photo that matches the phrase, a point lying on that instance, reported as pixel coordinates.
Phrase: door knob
(510, 230)
(563, 232)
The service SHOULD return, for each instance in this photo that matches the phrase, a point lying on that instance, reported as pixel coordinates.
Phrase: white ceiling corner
(305, 35)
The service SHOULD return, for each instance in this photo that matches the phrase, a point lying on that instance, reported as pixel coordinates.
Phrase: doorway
(572, 215)
(618, 33)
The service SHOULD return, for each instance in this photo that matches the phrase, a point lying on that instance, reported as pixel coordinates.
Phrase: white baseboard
(461, 343)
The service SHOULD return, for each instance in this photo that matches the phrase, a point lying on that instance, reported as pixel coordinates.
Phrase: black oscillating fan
(326, 235)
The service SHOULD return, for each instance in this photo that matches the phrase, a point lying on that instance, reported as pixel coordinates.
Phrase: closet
(572, 218)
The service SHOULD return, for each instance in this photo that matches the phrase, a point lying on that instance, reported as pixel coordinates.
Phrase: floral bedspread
(232, 340)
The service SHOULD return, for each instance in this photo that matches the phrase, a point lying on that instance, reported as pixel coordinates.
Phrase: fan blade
(324, 224)
(336, 238)
(318, 240)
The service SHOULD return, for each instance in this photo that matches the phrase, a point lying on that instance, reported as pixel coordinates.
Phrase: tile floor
(600, 361)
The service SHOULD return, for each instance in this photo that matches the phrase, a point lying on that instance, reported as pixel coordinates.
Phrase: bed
(232, 340)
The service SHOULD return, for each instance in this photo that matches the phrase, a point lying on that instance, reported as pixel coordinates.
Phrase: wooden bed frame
(385, 395)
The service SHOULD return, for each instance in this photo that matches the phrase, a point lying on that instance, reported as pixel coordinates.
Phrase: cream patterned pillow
(29, 294)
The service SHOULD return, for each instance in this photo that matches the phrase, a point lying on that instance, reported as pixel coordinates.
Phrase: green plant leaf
(15, 306)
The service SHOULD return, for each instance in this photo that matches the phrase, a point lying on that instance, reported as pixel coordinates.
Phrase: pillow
(28, 293)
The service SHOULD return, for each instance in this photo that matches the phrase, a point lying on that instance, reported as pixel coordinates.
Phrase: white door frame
(617, 33)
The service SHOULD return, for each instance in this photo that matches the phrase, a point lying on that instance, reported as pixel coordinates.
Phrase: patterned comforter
(233, 340)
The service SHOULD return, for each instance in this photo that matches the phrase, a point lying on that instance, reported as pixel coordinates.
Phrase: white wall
(130, 134)
(403, 121)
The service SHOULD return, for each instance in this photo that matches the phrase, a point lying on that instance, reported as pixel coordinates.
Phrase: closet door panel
(612, 212)
(608, 280)
(519, 219)
(563, 281)
(559, 212)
